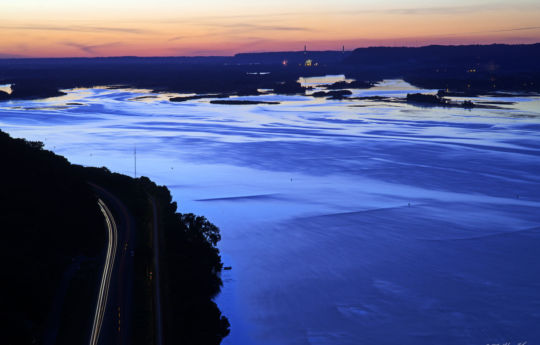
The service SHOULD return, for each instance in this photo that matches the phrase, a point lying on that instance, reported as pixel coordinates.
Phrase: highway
(114, 306)
(103, 295)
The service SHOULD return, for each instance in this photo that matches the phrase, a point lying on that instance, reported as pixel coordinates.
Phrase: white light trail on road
(107, 271)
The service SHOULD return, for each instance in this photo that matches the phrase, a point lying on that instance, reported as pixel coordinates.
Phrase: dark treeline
(37, 78)
(515, 57)
(53, 245)
(471, 69)
(50, 222)
(191, 265)
(436, 100)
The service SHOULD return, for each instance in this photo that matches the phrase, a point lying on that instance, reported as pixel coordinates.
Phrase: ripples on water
(378, 224)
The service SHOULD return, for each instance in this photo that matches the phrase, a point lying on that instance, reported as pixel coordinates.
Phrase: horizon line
(22, 57)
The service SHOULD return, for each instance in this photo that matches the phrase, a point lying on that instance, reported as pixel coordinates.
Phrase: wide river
(345, 222)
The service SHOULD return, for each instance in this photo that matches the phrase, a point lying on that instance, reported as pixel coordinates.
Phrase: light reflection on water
(384, 224)
(5, 88)
(322, 80)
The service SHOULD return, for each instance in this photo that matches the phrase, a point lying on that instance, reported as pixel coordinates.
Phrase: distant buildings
(309, 62)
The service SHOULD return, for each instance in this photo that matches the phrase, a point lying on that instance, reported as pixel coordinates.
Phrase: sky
(73, 28)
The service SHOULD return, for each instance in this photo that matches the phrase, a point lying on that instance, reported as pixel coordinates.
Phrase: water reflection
(385, 223)
(5, 88)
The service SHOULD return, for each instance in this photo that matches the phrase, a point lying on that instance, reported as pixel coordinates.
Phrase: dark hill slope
(53, 237)
(49, 220)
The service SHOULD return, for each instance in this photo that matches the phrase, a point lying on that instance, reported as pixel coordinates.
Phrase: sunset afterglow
(56, 28)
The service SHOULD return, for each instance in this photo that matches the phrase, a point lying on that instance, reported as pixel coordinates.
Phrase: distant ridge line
(18, 57)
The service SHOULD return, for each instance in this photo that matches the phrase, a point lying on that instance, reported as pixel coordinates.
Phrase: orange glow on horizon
(147, 31)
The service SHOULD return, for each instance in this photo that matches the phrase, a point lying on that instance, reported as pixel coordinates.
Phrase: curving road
(107, 272)
(114, 306)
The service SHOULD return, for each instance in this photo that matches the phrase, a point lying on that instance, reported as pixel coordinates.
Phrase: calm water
(345, 222)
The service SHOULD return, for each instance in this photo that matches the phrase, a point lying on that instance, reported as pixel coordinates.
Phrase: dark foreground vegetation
(467, 70)
(53, 245)
(52, 234)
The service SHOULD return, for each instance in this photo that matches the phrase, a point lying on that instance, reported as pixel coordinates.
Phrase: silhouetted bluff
(53, 244)
(472, 69)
